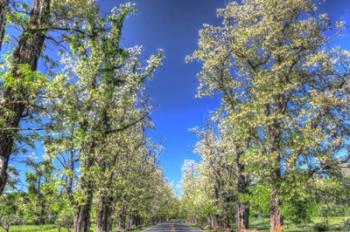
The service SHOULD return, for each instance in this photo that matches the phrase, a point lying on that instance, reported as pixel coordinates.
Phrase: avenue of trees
(74, 120)
(67, 84)
(278, 144)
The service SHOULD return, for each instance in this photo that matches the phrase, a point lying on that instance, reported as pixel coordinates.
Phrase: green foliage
(298, 211)
(347, 224)
(65, 218)
(284, 104)
(318, 227)
(278, 133)
(10, 210)
(259, 199)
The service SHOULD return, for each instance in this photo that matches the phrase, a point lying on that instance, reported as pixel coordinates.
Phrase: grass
(33, 228)
(335, 224)
(263, 224)
(50, 228)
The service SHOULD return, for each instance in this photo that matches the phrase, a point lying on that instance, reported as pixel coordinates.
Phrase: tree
(218, 168)
(41, 191)
(88, 122)
(10, 210)
(21, 84)
(14, 97)
(4, 4)
(290, 94)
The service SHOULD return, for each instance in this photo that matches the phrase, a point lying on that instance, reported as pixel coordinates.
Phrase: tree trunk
(122, 220)
(104, 215)
(82, 218)
(14, 101)
(213, 222)
(275, 216)
(242, 217)
(3, 11)
(131, 222)
(242, 187)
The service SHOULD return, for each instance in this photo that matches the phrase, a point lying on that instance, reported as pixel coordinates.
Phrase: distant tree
(220, 171)
(41, 191)
(10, 210)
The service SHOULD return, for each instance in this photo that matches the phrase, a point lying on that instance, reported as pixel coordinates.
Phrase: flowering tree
(285, 96)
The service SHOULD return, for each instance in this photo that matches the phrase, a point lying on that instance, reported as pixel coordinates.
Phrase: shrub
(347, 225)
(65, 219)
(319, 227)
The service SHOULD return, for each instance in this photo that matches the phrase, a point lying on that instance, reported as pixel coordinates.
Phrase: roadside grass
(263, 225)
(260, 224)
(53, 228)
(34, 228)
(335, 224)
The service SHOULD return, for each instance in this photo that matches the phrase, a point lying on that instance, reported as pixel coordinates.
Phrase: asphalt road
(172, 226)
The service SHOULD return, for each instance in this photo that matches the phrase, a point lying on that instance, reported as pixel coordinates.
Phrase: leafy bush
(347, 225)
(319, 227)
(65, 219)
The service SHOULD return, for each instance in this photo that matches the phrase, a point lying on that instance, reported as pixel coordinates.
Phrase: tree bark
(122, 220)
(242, 217)
(275, 133)
(213, 222)
(132, 221)
(276, 217)
(242, 187)
(27, 53)
(104, 215)
(3, 11)
(82, 217)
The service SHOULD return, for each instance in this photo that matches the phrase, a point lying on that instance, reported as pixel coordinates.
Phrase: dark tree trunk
(275, 133)
(242, 187)
(3, 11)
(122, 221)
(276, 219)
(242, 217)
(27, 53)
(82, 217)
(275, 216)
(104, 215)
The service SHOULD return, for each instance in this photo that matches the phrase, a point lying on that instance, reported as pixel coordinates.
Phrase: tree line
(68, 84)
(278, 143)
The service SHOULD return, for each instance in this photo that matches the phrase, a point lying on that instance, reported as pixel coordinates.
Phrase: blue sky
(173, 25)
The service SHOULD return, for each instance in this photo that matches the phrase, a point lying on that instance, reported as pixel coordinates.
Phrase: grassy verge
(53, 228)
(263, 224)
(33, 228)
(335, 224)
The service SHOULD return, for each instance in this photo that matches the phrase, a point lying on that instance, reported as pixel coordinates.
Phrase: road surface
(172, 226)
